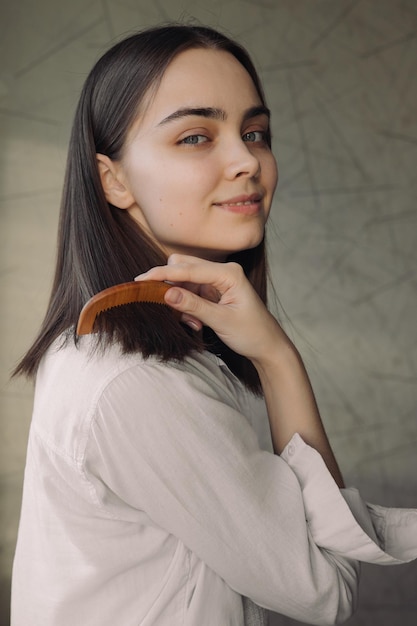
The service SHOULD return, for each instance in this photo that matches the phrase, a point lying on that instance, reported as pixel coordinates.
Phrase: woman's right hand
(219, 295)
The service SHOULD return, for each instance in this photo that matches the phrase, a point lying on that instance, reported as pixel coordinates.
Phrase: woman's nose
(241, 161)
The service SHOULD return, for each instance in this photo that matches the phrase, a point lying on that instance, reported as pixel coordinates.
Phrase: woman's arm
(291, 404)
(241, 320)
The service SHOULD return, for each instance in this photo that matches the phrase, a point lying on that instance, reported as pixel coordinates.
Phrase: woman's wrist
(278, 355)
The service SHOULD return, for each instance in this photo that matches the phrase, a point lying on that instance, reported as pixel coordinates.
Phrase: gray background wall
(340, 76)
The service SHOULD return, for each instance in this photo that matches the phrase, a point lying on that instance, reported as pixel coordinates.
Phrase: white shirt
(149, 501)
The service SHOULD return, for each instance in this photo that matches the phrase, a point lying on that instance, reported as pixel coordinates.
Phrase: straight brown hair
(100, 245)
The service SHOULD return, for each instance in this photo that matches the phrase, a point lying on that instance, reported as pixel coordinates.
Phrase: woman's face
(197, 167)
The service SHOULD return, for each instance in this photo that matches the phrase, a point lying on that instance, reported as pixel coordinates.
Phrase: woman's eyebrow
(213, 113)
(255, 111)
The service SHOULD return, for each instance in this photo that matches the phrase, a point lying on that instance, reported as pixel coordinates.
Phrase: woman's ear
(114, 188)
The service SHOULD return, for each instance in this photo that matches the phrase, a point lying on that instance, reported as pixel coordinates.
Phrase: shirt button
(291, 449)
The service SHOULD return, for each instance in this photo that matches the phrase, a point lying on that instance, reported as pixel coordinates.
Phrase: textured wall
(340, 79)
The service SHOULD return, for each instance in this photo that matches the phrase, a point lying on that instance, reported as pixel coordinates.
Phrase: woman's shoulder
(79, 386)
(74, 378)
(87, 363)
(70, 381)
(94, 364)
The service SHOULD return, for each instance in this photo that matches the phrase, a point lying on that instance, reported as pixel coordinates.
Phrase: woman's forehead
(202, 77)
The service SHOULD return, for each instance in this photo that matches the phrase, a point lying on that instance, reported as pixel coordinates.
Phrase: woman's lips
(247, 205)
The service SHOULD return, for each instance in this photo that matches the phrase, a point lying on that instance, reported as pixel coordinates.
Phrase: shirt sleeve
(342, 522)
(175, 445)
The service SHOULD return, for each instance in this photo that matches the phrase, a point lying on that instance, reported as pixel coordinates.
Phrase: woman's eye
(194, 139)
(254, 136)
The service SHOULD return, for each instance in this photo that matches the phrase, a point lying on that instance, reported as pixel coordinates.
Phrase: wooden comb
(125, 293)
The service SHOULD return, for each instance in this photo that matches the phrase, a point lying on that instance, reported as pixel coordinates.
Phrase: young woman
(148, 499)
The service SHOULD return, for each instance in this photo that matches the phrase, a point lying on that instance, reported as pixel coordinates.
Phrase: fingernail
(174, 296)
(193, 325)
(141, 276)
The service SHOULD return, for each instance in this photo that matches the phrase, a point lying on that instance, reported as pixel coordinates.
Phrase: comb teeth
(125, 293)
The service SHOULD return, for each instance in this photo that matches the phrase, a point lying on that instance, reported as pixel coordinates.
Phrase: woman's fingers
(178, 272)
(187, 269)
(198, 283)
(194, 307)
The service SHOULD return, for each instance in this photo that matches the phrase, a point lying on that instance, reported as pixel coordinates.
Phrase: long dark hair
(100, 245)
